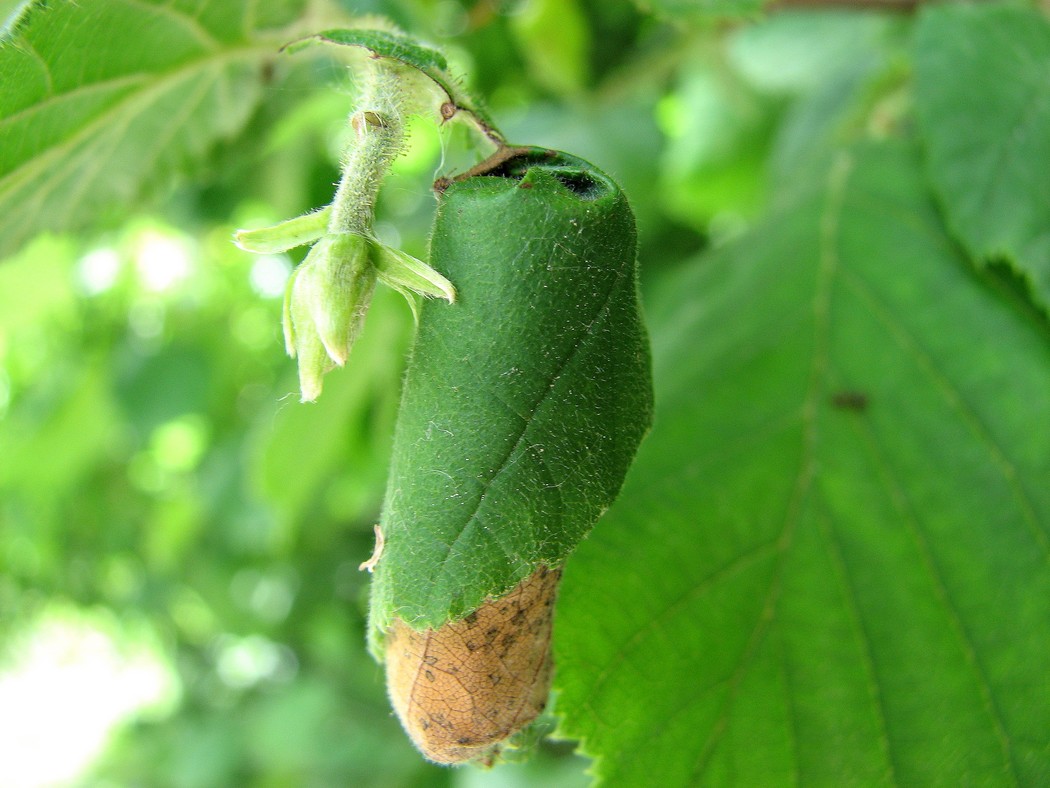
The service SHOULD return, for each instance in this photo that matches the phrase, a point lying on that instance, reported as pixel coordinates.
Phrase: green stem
(379, 133)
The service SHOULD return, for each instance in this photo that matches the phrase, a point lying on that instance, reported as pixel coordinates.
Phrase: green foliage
(829, 564)
(102, 100)
(555, 40)
(346, 435)
(822, 583)
(983, 98)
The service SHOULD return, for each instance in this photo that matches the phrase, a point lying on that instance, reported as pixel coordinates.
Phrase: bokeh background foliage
(831, 561)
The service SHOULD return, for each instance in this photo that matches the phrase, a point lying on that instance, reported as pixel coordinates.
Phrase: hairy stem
(379, 133)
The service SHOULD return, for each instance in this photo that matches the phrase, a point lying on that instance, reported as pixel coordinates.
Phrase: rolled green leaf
(525, 401)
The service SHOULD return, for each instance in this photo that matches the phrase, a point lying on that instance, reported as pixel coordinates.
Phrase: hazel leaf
(829, 564)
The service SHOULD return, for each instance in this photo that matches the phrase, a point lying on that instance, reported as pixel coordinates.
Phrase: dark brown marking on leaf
(856, 401)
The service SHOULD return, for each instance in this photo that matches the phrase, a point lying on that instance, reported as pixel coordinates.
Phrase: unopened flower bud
(325, 306)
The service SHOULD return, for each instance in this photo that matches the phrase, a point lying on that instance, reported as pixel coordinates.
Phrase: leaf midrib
(828, 263)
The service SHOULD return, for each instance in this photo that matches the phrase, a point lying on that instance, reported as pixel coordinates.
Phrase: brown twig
(901, 6)
(502, 155)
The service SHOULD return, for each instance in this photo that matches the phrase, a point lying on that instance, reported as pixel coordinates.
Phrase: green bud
(328, 295)
(325, 306)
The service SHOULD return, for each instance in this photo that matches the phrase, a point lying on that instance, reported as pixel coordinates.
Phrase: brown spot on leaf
(477, 694)
(850, 400)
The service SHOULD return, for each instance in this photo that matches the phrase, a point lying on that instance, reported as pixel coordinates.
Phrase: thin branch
(901, 6)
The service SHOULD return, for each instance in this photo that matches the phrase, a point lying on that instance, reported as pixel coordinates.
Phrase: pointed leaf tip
(402, 271)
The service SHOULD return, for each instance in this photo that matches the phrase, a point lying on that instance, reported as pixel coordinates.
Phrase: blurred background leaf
(102, 103)
(700, 10)
(982, 85)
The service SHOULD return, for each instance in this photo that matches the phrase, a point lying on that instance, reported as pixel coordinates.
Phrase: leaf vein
(694, 591)
(899, 498)
(127, 108)
(191, 24)
(954, 398)
(828, 265)
(849, 592)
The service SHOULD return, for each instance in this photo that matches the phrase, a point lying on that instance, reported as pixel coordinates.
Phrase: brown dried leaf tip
(461, 689)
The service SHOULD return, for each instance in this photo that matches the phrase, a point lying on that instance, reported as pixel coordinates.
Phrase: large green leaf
(80, 130)
(983, 96)
(829, 564)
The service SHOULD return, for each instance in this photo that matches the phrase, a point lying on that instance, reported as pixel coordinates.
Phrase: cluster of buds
(329, 293)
